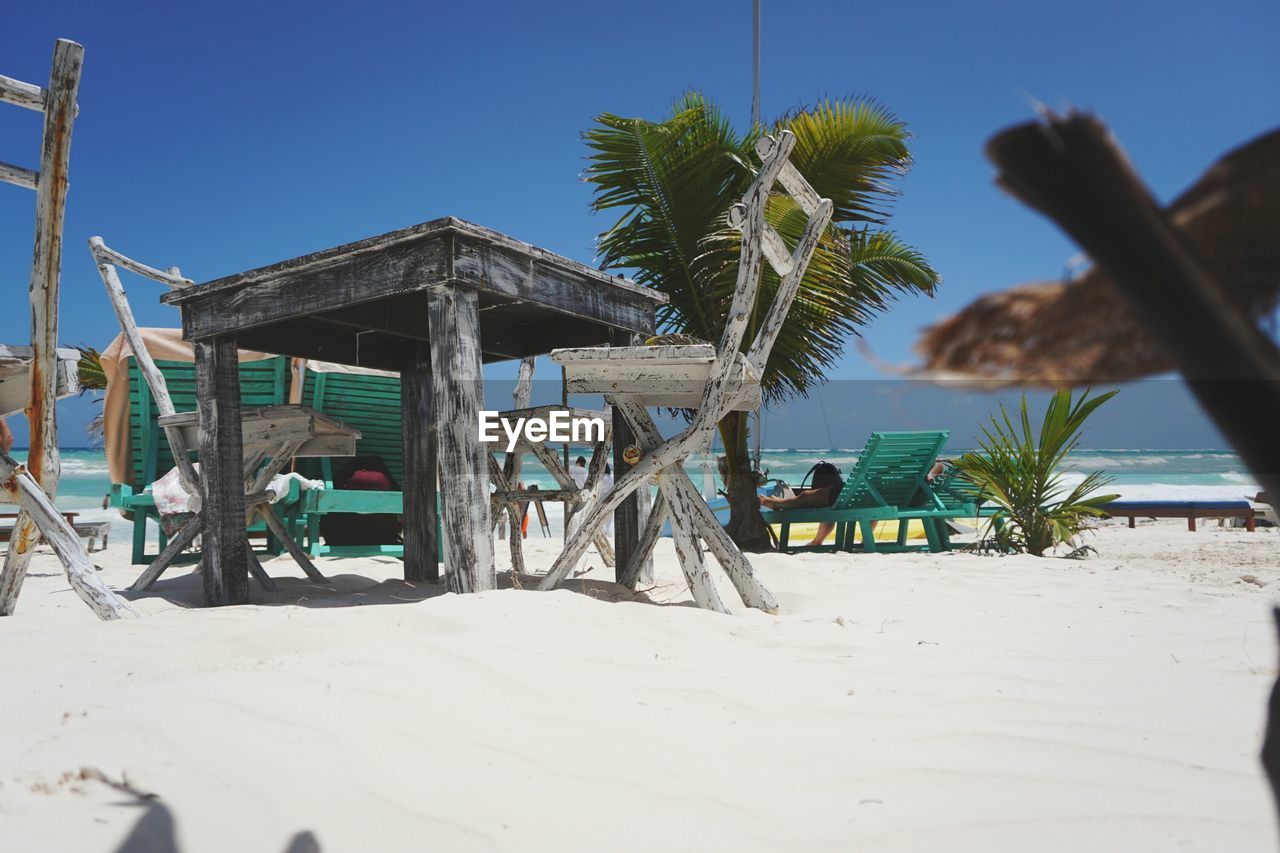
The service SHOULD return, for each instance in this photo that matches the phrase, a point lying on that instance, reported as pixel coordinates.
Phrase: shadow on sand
(351, 590)
(155, 832)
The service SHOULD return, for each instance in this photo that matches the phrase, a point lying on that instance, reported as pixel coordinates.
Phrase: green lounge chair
(958, 496)
(262, 383)
(371, 404)
(889, 482)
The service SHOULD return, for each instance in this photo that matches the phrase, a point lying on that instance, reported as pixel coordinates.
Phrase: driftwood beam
(18, 176)
(178, 543)
(507, 507)
(689, 508)
(104, 254)
(26, 95)
(62, 538)
(633, 571)
(514, 462)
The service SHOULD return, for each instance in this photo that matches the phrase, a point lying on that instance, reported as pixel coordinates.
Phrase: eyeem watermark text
(559, 427)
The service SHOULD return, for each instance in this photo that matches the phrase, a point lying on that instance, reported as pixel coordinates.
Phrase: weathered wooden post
(420, 467)
(456, 394)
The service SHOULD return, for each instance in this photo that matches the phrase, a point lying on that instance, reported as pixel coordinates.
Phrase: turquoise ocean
(1135, 474)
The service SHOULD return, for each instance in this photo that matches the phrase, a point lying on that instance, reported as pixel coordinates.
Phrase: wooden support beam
(771, 327)
(643, 557)
(633, 571)
(226, 568)
(687, 507)
(61, 536)
(443, 253)
(282, 533)
(419, 443)
(178, 543)
(578, 501)
(314, 338)
(626, 518)
(104, 254)
(26, 95)
(689, 551)
(46, 264)
(514, 462)
(18, 176)
(457, 390)
(505, 501)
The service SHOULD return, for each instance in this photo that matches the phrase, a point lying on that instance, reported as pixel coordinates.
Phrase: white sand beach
(897, 702)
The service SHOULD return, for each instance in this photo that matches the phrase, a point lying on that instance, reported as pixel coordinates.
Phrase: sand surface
(897, 702)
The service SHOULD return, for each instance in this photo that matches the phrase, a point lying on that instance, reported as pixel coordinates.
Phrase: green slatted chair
(371, 404)
(262, 383)
(889, 482)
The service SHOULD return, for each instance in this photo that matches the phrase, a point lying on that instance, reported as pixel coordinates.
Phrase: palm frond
(89, 368)
(851, 150)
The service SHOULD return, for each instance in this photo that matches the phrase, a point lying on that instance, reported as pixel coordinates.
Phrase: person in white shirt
(579, 472)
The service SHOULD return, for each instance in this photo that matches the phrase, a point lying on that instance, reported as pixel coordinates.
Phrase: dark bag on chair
(363, 473)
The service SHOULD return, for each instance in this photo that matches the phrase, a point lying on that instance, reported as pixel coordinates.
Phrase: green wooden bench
(889, 482)
(263, 383)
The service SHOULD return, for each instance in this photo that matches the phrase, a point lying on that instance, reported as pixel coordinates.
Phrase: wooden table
(435, 302)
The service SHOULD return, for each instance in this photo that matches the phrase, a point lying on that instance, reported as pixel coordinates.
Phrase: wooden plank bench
(1190, 510)
(93, 531)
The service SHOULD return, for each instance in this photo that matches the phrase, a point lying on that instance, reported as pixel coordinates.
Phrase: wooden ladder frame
(691, 518)
(33, 486)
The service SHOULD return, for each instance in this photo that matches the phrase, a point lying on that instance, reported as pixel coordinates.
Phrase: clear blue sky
(224, 136)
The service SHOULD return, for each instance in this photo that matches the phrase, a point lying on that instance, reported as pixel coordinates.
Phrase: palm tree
(673, 182)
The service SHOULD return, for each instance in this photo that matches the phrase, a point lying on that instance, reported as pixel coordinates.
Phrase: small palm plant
(1021, 474)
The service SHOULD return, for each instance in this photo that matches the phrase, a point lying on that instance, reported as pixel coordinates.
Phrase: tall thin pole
(755, 63)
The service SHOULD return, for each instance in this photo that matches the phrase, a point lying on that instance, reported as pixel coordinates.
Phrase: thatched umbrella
(1082, 330)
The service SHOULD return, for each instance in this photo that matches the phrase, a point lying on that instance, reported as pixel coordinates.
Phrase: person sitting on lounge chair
(822, 493)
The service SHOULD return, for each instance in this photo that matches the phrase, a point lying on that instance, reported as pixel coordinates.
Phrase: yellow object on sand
(886, 531)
